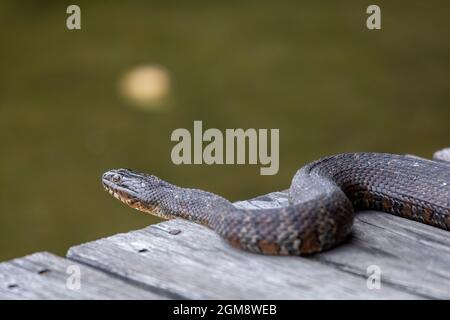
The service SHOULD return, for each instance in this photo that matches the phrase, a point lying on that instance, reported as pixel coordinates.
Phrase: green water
(312, 70)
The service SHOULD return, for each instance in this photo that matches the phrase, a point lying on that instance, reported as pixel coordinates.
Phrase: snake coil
(323, 198)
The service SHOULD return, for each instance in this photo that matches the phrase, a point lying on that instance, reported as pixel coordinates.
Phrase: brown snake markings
(323, 197)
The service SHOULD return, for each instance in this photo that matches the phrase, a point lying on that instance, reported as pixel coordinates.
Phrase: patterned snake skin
(323, 197)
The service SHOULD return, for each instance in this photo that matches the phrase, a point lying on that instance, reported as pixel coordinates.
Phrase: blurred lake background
(310, 68)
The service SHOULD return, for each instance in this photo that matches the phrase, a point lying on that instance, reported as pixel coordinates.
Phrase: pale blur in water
(312, 70)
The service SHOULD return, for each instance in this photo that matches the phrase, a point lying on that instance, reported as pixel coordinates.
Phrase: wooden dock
(181, 260)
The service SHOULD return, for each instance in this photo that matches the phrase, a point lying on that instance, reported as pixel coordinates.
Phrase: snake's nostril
(116, 178)
(107, 176)
(111, 176)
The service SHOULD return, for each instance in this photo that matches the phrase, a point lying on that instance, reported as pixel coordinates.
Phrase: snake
(323, 198)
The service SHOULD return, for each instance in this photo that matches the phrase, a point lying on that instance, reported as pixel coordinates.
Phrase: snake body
(323, 197)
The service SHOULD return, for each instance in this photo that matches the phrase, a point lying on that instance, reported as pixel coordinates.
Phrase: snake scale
(323, 197)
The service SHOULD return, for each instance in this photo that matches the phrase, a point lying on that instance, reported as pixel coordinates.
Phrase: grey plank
(197, 264)
(412, 256)
(191, 261)
(442, 155)
(43, 276)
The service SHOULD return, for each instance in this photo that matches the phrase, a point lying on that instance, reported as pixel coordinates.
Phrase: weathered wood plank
(43, 276)
(196, 263)
(442, 155)
(411, 256)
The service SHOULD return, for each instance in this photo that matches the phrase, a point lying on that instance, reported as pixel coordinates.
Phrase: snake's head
(133, 188)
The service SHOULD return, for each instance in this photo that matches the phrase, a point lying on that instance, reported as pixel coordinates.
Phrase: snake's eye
(116, 178)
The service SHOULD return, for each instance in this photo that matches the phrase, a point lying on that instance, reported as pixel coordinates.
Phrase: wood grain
(44, 276)
(191, 261)
(182, 260)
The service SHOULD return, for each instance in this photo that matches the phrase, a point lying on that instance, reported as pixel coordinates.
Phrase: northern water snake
(323, 197)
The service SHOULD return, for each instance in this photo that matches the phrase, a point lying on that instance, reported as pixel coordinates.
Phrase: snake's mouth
(126, 189)
(126, 196)
(133, 188)
(131, 199)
